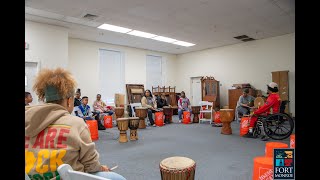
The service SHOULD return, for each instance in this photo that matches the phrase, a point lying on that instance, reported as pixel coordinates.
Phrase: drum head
(226, 109)
(258, 102)
(176, 163)
(122, 119)
(133, 118)
(141, 108)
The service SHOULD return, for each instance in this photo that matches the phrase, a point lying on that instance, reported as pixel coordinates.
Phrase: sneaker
(264, 138)
(179, 121)
(249, 135)
(154, 125)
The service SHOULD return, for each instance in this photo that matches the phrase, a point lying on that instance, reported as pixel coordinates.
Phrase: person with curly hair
(53, 136)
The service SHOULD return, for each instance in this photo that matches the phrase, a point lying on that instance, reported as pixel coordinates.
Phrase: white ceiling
(206, 23)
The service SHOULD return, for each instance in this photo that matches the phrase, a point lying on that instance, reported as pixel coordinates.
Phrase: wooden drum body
(226, 117)
(123, 127)
(141, 112)
(168, 112)
(119, 111)
(195, 112)
(133, 125)
(177, 168)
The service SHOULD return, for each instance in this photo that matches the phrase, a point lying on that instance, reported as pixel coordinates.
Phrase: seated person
(27, 98)
(161, 102)
(53, 136)
(85, 113)
(149, 101)
(100, 107)
(77, 98)
(183, 105)
(244, 103)
(271, 106)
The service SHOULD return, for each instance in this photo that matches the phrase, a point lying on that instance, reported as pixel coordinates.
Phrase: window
(154, 71)
(111, 74)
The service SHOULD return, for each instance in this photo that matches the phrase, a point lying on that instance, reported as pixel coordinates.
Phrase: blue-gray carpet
(217, 156)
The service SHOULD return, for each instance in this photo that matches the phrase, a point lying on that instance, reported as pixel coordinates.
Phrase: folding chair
(208, 109)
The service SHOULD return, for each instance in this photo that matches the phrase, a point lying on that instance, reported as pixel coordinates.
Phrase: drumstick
(113, 168)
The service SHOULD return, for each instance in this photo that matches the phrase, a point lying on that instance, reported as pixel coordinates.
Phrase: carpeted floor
(217, 156)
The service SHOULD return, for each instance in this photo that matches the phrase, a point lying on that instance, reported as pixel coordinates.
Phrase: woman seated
(53, 136)
(149, 101)
(100, 107)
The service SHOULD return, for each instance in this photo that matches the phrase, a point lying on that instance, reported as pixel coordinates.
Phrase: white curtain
(154, 71)
(111, 74)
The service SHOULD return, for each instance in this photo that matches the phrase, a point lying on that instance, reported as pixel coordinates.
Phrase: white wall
(48, 44)
(250, 62)
(84, 59)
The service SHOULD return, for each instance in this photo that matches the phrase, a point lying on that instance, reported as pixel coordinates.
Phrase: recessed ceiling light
(110, 27)
(182, 43)
(164, 39)
(141, 34)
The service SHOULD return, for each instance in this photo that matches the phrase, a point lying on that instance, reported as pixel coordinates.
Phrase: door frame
(191, 91)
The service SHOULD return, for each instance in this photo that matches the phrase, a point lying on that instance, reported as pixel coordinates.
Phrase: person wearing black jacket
(162, 101)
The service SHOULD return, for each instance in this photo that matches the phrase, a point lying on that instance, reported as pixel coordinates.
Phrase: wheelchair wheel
(278, 126)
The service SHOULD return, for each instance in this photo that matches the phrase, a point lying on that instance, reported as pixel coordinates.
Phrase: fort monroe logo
(283, 161)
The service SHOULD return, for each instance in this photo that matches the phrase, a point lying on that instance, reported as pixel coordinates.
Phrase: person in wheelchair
(271, 106)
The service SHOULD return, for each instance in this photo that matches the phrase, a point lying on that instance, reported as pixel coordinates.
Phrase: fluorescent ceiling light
(164, 39)
(110, 27)
(141, 34)
(182, 43)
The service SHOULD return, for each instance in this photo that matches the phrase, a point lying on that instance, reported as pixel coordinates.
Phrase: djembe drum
(119, 111)
(226, 117)
(177, 168)
(133, 126)
(141, 112)
(168, 112)
(258, 102)
(123, 127)
(195, 112)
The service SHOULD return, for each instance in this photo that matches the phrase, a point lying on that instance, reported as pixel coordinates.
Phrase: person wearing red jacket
(271, 106)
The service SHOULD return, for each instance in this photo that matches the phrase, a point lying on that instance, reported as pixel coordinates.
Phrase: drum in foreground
(177, 168)
(133, 126)
(195, 111)
(119, 111)
(226, 117)
(168, 112)
(123, 127)
(141, 112)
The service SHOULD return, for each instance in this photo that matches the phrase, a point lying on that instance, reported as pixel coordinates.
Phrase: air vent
(242, 37)
(248, 39)
(90, 16)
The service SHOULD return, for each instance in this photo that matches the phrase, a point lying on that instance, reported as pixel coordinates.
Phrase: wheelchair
(276, 126)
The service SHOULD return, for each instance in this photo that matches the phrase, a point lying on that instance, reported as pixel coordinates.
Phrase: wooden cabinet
(282, 79)
(234, 95)
(210, 90)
